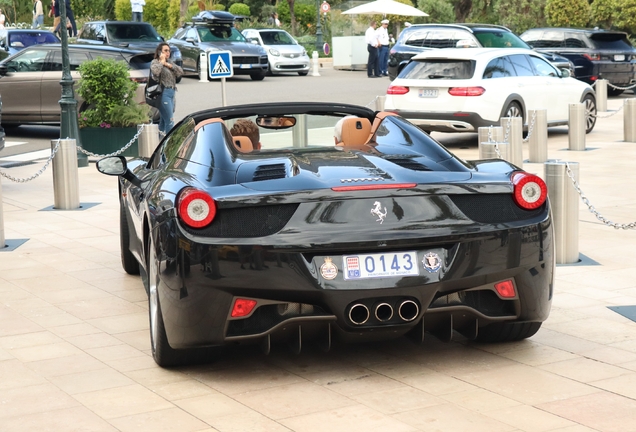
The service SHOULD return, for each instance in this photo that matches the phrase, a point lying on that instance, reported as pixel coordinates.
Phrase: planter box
(103, 141)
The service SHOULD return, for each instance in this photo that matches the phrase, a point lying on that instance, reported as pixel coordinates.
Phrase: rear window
(610, 41)
(439, 69)
(132, 33)
(141, 61)
(499, 39)
(26, 39)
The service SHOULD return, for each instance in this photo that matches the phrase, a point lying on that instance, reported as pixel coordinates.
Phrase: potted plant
(110, 113)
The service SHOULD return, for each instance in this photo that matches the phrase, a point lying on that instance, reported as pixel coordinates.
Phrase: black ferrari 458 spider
(296, 237)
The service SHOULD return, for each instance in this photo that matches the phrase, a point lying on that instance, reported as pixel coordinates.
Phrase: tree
(521, 15)
(567, 13)
(439, 11)
(462, 9)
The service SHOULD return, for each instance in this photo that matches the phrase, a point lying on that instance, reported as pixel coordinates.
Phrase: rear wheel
(163, 354)
(589, 102)
(513, 110)
(507, 332)
(128, 260)
(259, 76)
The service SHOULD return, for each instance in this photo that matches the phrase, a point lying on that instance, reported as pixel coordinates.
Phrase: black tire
(128, 260)
(303, 73)
(162, 352)
(589, 101)
(614, 92)
(269, 70)
(507, 332)
(178, 80)
(259, 76)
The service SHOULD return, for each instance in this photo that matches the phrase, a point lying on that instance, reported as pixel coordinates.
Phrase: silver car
(283, 52)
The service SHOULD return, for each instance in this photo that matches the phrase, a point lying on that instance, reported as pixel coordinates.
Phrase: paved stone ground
(75, 354)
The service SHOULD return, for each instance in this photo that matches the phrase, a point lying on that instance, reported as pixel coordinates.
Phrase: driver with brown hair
(246, 127)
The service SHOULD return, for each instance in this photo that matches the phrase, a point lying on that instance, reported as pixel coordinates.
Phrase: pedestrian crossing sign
(220, 64)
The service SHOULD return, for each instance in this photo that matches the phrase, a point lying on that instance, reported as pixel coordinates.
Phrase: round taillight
(530, 190)
(196, 208)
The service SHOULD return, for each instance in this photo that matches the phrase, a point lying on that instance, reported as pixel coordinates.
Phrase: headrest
(243, 143)
(355, 131)
(378, 119)
(207, 122)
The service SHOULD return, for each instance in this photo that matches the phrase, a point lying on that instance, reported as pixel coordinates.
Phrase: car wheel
(178, 80)
(613, 92)
(589, 101)
(269, 70)
(259, 76)
(513, 110)
(507, 332)
(303, 73)
(163, 354)
(128, 260)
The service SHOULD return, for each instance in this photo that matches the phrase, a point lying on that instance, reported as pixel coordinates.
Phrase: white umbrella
(385, 7)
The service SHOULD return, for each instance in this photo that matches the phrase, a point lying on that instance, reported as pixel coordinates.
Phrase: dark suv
(595, 53)
(422, 37)
(125, 34)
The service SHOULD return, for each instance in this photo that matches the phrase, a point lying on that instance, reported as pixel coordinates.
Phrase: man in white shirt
(371, 38)
(383, 54)
(137, 9)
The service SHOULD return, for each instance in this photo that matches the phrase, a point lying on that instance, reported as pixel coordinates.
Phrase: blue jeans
(38, 22)
(166, 110)
(384, 59)
(138, 16)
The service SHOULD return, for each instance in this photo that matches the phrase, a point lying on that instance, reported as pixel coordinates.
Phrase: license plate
(619, 57)
(246, 66)
(380, 265)
(428, 93)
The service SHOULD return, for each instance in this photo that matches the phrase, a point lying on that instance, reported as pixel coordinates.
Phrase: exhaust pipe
(408, 310)
(383, 312)
(359, 314)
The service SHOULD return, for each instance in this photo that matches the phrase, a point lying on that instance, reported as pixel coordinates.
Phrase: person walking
(166, 73)
(2, 19)
(71, 25)
(383, 54)
(137, 10)
(38, 14)
(371, 38)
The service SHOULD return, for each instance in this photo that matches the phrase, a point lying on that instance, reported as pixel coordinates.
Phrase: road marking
(25, 157)
(14, 143)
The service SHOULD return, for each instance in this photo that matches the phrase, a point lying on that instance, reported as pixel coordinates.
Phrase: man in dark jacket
(69, 16)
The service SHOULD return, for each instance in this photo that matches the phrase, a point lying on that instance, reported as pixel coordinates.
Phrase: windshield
(430, 69)
(132, 33)
(220, 33)
(25, 39)
(499, 39)
(276, 38)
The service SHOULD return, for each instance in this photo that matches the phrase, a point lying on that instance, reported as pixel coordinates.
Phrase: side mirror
(565, 73)
(116, 166)
(191, 40)
(101, 38)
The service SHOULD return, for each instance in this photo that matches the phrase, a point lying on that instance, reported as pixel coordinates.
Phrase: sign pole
(220, 66)
(223, 97)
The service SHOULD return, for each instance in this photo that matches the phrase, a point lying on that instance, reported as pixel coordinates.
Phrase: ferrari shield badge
(328, 270)
(432, 262)
(377, 212)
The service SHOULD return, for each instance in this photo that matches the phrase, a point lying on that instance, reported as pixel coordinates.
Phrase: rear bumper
(446, 122)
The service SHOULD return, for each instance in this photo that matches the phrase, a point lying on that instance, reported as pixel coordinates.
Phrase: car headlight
(175, 53)
(274, 52)
(304, 53)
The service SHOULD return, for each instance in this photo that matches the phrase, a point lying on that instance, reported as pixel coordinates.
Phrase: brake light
(530, 191)
(196, 208)
(373, 187)
(506, 289)
(397, 90)
(593, 78)
(466, 91)
(242, 307)
(592, 56)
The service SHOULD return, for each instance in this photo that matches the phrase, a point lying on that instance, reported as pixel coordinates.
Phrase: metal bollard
(203, 67)
(565, 209)
(538, 140)
(379, 103)
(65, 177)
(2, 243)
(496, 134)
(629, 120)
(515, 138)
(488, 150)
(601, 95)
(314, 64)
(576, 127)
(148, 139)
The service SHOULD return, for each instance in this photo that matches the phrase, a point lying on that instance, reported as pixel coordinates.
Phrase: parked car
(14, 40)
(126, 34)
(384, 234)
(215, 31)
(595, 53)
(452, 90)
(283, 52)
(424, 37)
(30, 79)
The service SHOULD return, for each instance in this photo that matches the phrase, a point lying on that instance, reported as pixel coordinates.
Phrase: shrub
(156, 13)
(240, 9)
(567, 13)
(123, 10)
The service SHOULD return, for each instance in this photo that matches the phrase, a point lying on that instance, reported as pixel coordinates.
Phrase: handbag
(153, 92)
